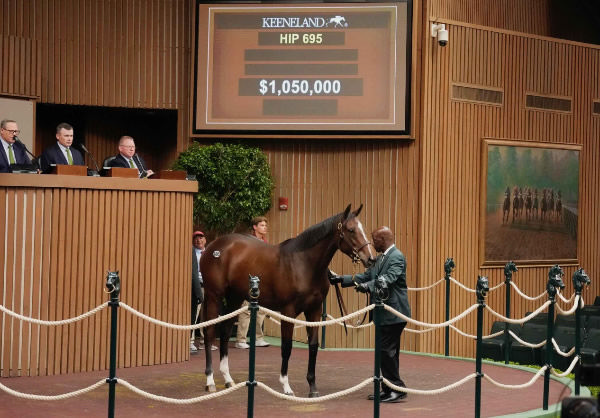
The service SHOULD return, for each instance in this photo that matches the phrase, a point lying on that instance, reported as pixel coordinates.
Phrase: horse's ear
(347, 211)
(357, 211)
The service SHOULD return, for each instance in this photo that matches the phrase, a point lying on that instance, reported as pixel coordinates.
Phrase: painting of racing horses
(293, 280)
(529, 177)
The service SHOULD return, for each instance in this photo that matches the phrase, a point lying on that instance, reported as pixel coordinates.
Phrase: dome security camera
(438, 30)
(442, 37)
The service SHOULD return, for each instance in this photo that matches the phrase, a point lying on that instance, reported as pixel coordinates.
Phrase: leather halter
(355, 257)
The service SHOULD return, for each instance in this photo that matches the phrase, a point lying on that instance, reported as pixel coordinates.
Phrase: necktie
(69, 157)
(131, 163)
(11, 155)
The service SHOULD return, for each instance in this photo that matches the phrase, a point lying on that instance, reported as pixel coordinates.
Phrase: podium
(69, 170)
(170, 175)
(121, 172)
(60, 236)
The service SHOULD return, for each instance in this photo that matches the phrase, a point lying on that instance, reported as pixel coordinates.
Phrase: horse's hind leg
(224, 349)
(287, 330)
(210, 312)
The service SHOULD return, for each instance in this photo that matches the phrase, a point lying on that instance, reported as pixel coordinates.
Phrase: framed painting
(529, 202)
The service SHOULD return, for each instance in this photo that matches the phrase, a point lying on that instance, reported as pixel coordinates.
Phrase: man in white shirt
(62, 151)
(127, 158)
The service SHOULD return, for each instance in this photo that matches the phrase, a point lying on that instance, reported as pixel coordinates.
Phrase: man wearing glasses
(62, 152)
(12, 152)
(128, 158)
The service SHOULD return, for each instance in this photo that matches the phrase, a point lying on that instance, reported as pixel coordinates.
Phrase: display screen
(302, 67)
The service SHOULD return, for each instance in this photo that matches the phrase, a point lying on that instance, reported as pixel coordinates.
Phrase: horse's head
(113, 283)
(580, 278)
(509, 268)
(449, 266)
(352, 238)
(555, 276)
(483, 286)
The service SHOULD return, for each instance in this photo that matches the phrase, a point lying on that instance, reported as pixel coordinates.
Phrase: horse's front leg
(287, 329)
(313, 349)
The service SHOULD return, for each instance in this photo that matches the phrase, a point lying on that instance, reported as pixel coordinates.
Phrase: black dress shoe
(394, 397)
(382, 395)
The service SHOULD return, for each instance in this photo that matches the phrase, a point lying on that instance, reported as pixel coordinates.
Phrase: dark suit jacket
(53, 155)
(121, 161)
(392, 268)
(20, 157)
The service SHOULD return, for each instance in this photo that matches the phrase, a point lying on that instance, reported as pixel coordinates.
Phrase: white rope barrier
(425, 288)
(524, 295)
(522, 320)
(485, 337)
(316, 323)
(521, 386)
(432, 391)
(573, 308)
(525, 343)
(52, 397)
(427, 325)
(496, 287)
(295, 326)
(459, 284)
(563, 298)
(180, 401)
(562, 353)
(183, 327)
(61, 322)
(367, 325)
(317, 399)
(568, 371)
(419, 331)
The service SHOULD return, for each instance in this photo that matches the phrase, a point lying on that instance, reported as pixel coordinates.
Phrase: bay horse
(528, 205)
(293, 280)
(516, 202)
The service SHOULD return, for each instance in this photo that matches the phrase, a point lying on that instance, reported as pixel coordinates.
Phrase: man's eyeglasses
(13, 131)
(128, 146)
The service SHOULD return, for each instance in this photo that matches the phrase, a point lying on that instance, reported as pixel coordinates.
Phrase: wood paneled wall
(60, 236)
(532, 16)
(451, 148)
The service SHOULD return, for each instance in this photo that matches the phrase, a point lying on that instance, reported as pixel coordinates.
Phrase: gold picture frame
(529, 202)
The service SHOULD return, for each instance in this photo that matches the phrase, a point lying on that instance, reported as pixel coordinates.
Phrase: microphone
(34, 161)
(144, 172)
(91, 156)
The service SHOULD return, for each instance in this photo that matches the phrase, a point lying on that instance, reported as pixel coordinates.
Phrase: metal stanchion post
(482, 289)
(508, 271)
(554, 280)
(251, 383)
(579, 279)
(448, 267)
(113, 285)
(324, 318)
(380, 292)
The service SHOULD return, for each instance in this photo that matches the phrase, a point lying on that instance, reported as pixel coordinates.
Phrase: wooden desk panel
(59, 239)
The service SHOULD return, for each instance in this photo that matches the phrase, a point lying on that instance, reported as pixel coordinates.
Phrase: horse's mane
(309, 237)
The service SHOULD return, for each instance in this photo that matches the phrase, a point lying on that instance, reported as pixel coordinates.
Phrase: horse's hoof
(313, 395)
(211, 388)
(228, 385)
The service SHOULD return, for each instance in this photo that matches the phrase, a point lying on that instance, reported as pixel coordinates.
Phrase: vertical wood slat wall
(451, 149)
(122, 53)
(320, 178)
(59, 243)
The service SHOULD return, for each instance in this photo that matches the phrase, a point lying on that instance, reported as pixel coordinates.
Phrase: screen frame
(293, 132)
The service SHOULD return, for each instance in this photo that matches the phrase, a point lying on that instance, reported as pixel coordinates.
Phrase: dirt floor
(336, 370)
(532, 240)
